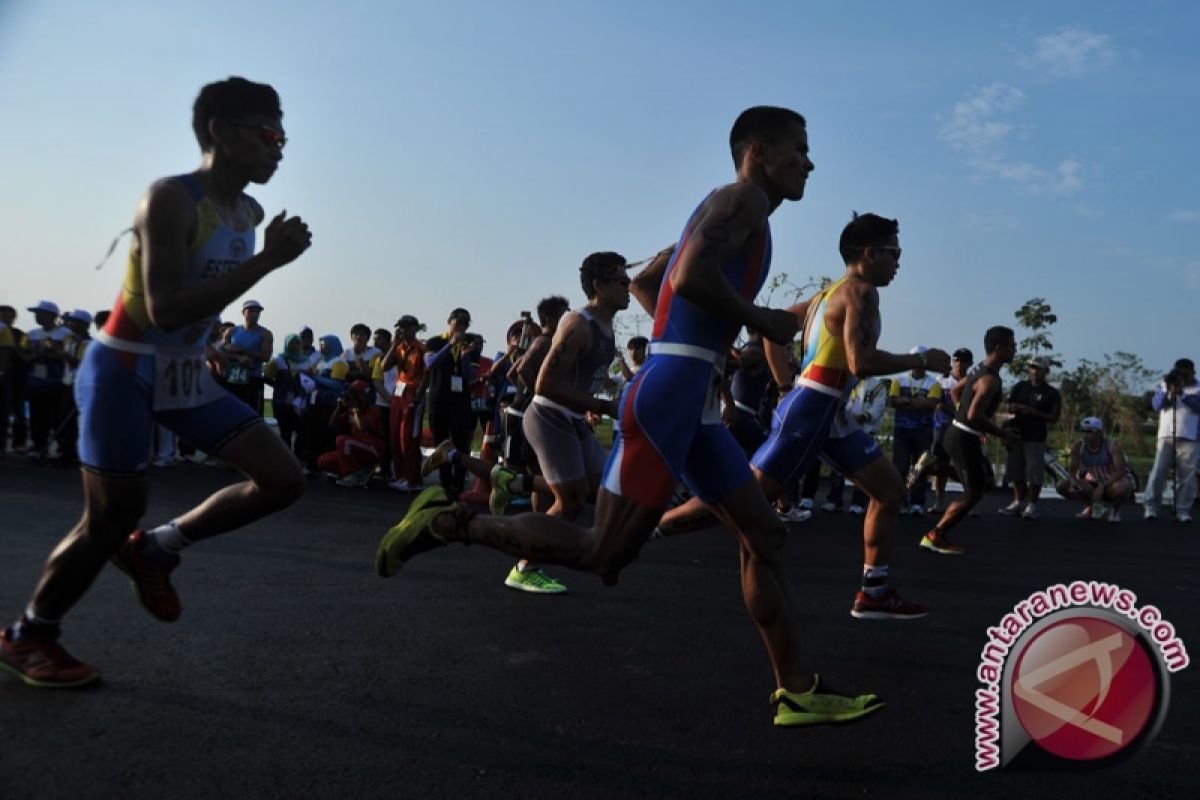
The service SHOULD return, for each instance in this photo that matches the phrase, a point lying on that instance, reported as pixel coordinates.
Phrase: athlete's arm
(779, 356)
(1074, 462)
(730, 217)
(1118, 462)
(163, 226)
(531, 363)
(572, 339)
(860, 333)
(645, 286)
(264, 352)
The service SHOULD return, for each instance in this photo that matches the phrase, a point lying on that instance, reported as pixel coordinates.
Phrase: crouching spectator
(358, 429)
(1100, 475)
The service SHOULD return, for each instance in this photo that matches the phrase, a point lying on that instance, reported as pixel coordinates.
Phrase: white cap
(45, 305)
(252, 304)
(918, 349)
(1091, 424)
(79, 314)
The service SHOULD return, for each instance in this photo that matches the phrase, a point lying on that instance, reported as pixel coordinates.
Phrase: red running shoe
(889, 606)
(151, 582)
(44, 664)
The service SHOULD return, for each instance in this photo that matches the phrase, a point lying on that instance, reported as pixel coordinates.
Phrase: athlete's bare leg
(111, 510)
(274, 482)
(883, 484)
(958, 510)
(696, 515)
(483, 469)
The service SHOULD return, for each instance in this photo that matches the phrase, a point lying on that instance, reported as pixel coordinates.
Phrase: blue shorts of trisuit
(122, 395)
(669, 427)
(809, 424)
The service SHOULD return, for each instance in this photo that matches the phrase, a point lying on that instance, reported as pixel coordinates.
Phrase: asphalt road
(296, 672)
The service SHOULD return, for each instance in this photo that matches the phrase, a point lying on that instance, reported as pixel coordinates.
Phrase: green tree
(1036, 316)
(1111, 390)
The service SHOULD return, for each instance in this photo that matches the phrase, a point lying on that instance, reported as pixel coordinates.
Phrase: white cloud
(980, 128)
(1072, 52)
(1185, 215)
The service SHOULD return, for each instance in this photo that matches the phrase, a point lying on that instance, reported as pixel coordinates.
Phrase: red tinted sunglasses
(266, 134)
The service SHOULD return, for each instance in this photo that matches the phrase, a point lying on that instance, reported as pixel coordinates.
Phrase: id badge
(40, 372)
(456, 383)
(399, 390)
(182, 380)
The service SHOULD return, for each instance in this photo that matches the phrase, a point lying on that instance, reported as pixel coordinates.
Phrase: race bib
(456, 383)
(239, 374)
(710, 414)
(399, 390)
(182, 380)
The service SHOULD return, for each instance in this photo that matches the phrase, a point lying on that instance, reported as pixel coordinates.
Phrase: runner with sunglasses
(192, 255)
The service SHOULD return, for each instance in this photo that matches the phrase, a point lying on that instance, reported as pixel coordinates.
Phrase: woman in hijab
(283, 372)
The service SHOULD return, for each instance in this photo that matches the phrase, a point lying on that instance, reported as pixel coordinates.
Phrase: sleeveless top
(249, 340)
(680, 322)
(823, 365)
(216, 249)
(592, 366)
(968, 396)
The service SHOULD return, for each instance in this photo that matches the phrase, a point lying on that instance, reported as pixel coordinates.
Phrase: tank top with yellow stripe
(823, 366)
(216, 249)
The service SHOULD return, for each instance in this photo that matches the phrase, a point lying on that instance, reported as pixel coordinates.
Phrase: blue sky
(472, 153)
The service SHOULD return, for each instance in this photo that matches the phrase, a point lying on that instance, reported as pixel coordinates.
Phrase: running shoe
(46, 665)
(936, 543)
(404, 486)
(1085, 514)
(917, 510)
(904, 509)
(413, 535)
(856, 509)
(794, 514)
(889, 606)
(1100, 511)
(815, 707)
(151, 581)
(806, 503)
(437, 458)
(533, 580)
(1012, 509)
(1183, 516)
(831, 508)
(500, 496)
(1030, 512)
(1114, 516)
(1151, 513)
(360, 478)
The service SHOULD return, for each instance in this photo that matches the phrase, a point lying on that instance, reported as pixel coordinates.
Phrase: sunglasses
(265, 133)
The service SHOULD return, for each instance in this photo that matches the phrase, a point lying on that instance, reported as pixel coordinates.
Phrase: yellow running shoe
(414, 534)
(815, 707)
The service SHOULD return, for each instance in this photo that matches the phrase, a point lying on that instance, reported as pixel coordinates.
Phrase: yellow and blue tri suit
(137, 374)
(811, 421)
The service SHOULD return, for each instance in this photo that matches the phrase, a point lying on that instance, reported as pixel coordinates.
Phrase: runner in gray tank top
(571, 459)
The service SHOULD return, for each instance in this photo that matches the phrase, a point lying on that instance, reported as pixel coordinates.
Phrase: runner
(963, 440)
(841, 327)
(670, 424)
(191, 256)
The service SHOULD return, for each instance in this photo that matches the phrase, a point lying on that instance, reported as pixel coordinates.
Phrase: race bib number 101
(182, 381)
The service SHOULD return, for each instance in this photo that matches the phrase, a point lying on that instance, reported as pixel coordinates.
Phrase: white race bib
(399, 390)
(710, 414)
(456, 383)
(182, 380)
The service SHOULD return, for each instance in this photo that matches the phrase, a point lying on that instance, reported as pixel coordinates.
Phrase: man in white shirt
(1177, 402)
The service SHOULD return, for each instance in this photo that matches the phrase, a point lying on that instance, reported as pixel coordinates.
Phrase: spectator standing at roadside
(289, 399)
(248, 346)
(360, 353)
(66, 430)
(45, 356)
(9, 365)
(406, 361)
(329, 377)
(914, 395)
(1177, 401)
(13, 399)
(1035, 405)
(448, 364)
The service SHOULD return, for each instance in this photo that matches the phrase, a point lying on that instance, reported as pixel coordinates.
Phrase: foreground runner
(190, 257)
(670, 421)
(964, 438)
(841, 327)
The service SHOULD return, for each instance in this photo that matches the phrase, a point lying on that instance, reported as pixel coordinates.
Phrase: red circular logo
(1083, 688)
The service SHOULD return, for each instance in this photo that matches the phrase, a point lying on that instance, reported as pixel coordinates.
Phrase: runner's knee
(282, 487)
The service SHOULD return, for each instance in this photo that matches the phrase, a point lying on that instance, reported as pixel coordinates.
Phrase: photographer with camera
(450, 373)
(358, 425)
(1177, 401)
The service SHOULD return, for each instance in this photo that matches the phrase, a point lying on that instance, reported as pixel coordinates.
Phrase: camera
(1173, 379)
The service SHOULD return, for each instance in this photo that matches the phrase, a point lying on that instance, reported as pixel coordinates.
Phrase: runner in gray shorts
(566, 448)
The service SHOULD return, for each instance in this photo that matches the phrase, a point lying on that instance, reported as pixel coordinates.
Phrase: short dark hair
(760, 124)
(553, 306)
(100, 318)
(230, 99)
(360, 328)
(863, 231)
(600, 267)
(1185, 364)
(637, 343)
(383, 332)
(964, 354)
(996, 336)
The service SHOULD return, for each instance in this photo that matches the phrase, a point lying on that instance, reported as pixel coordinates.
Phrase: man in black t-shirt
(449, 373)
(1035, 405)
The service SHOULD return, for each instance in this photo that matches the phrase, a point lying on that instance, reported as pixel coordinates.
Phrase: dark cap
(410, 321)
(963, 354)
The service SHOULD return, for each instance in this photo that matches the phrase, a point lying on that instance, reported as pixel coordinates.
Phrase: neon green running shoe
(533, 580)
(500, 497)
(815, 707)
(414, 534)
(439, 456)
